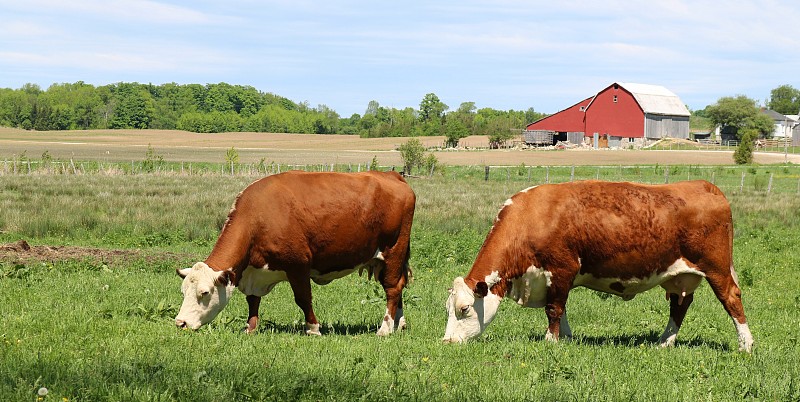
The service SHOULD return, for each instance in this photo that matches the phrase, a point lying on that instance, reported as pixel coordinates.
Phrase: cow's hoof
(313, 329)
(387, 326)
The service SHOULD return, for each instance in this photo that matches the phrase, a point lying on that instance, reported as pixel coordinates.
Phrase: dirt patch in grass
(20, 252)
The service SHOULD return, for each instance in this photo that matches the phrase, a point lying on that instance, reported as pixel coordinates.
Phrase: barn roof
(655, 99)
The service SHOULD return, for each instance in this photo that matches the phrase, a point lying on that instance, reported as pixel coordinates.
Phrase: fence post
(741, 184)
(572, 174)
(713, 178)
(529, 174)
(486, 173)
(769, 186)
(666, 173)
(547, 174)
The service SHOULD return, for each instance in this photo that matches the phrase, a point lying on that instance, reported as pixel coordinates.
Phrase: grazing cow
(299, 227)
(618, 238)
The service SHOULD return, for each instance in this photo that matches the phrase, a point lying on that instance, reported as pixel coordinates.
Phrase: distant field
(127, 145)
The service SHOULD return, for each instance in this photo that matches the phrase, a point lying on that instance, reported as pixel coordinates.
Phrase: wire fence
(783, 179)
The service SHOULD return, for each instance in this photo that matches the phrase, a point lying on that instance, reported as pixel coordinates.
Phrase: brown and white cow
(299, 227)
(618, 238)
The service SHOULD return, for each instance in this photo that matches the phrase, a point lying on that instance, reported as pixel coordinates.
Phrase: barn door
(603, 143)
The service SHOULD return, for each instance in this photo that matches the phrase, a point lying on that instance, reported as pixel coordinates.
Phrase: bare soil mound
(22, 252)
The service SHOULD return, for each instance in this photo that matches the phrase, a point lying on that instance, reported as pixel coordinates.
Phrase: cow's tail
(408, 275)
(730, 255)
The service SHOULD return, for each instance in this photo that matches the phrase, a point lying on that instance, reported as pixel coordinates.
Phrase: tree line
(224, 107)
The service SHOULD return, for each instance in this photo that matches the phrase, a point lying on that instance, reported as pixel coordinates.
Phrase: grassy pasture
(100, 328)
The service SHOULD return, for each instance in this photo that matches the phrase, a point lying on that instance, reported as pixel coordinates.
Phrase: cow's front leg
(301, 287)
(393, 317)
(252, 316)
(555, 309)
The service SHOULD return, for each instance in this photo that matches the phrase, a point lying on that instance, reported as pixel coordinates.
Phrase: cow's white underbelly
(259, 281)
(328, 277)
(530, 289)
(677, 278)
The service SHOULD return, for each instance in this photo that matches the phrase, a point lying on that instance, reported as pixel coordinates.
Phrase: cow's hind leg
(678, 305)
(394, 278)
(727, 291)
(300, 280)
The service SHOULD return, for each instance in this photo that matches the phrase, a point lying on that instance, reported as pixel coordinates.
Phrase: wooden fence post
(741, 183)
(547, 174)
(486, 173)
(572, 174)
(769, 186)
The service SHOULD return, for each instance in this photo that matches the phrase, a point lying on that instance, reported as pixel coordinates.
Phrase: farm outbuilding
(620, 114)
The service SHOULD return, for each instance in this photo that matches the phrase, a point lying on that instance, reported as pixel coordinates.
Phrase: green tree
(499, 138)
(134, 107)
(737, 113)
(785, 99)
(744, 152)
(431, 108)
(455, 130)
(732, 111)
(411, 152)
(232, 157)
(762, 124)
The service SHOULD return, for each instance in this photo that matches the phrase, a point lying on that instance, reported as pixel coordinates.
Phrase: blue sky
(502, 54)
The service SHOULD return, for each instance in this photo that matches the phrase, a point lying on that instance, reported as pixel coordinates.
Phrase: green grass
(102, 330)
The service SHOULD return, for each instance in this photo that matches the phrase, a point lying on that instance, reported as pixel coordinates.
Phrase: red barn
(620, 114)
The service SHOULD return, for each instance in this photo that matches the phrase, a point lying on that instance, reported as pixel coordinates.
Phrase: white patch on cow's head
(205, 293)
(467, 313)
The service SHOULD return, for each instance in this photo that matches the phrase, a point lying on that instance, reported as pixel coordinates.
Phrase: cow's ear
(183, 272)
(224, 278)
(481, 289)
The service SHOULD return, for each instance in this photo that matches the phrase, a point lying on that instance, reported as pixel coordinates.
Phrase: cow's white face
(205, 293)
(468, 314)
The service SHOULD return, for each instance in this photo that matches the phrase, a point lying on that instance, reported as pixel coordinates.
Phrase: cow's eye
(204, 293)
(465, 310)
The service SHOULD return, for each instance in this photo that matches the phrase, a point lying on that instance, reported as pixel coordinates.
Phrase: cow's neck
(498, 263)
(232, 250)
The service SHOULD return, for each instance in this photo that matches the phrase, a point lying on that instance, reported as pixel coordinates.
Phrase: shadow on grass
(336, 328)
(634, 340)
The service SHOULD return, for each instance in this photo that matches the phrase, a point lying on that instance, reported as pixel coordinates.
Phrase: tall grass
(102, 330)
